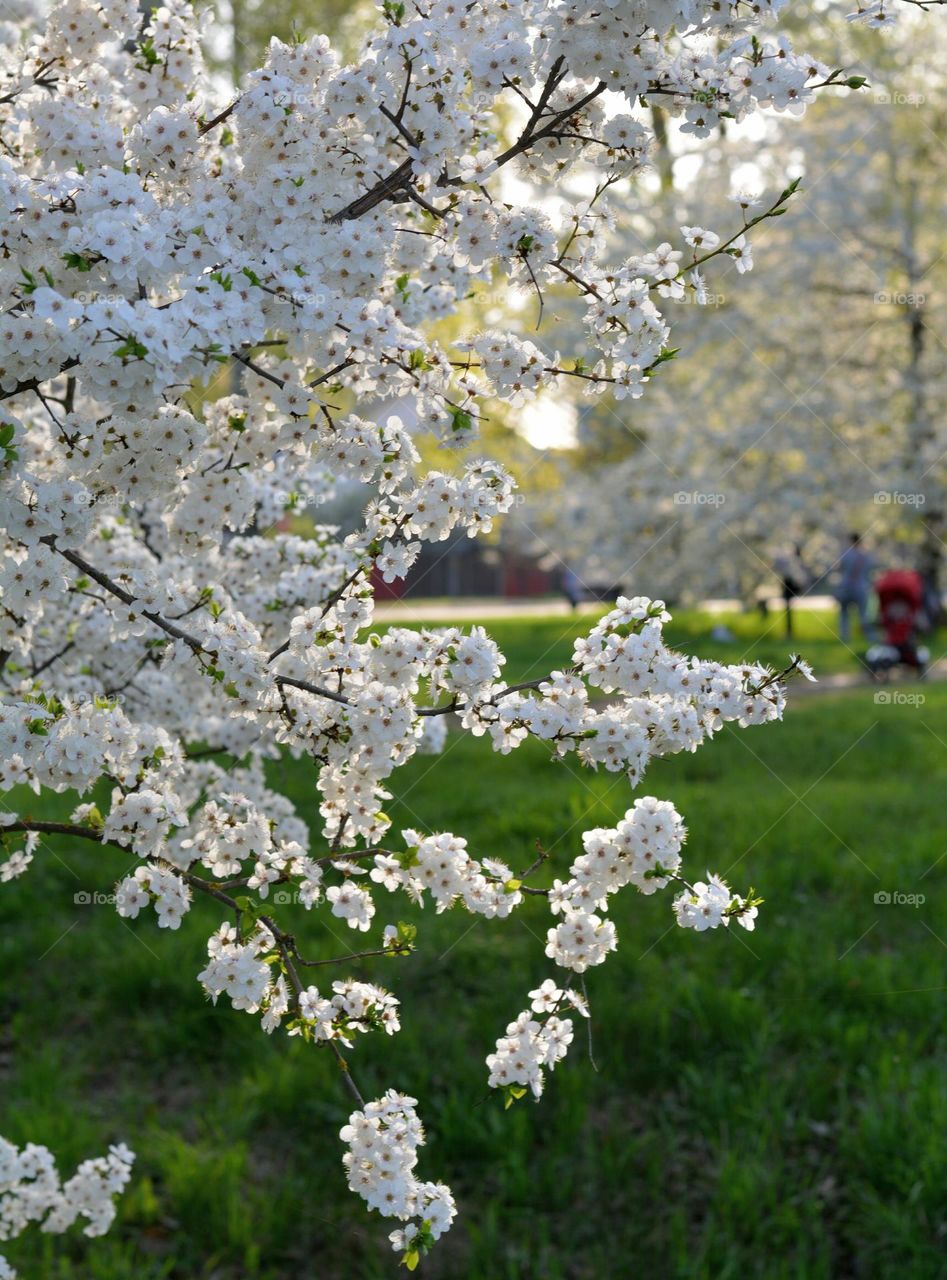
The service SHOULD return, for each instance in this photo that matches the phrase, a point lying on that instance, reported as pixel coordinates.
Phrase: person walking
(854, 586)
(571, 587)
(793, 580)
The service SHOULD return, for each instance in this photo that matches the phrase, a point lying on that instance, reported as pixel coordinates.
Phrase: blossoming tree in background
(162, 637)
(841, 379)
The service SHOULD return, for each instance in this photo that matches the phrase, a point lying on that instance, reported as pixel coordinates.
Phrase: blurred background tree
(246, 27)
(812, 405)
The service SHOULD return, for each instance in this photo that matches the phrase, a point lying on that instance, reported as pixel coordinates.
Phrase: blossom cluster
(535, 1041)
(643, 850)
(383, 1140)
(31, 1190)
(441, 865)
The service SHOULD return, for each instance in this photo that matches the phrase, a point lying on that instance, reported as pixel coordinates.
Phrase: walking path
(486, 608)
(936, 672)
(479, 609)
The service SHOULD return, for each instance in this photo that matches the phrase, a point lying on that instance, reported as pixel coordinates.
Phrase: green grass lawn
(763, 1105)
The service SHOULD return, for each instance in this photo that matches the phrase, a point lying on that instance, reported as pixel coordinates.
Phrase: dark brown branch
(353, 955)
(217, 119)
(260, 373)
(398, 181)
(121, 594)
(312, 688)
(55, 829)
(48, 662)
(287, 951)
(33, 384)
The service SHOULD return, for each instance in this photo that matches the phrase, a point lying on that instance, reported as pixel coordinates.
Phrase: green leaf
(94, 818)
(149, 54)
(131, 347)
(668, 353)
(513, 1093)
(77, 261)
(407, 932)
(791, 189)
(460, 419)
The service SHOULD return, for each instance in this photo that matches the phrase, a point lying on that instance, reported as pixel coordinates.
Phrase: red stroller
(900, 595)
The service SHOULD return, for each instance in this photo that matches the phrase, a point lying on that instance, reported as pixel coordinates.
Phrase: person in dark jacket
(793, 580)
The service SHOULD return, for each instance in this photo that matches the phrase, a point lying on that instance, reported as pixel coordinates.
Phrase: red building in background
(463, 567)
